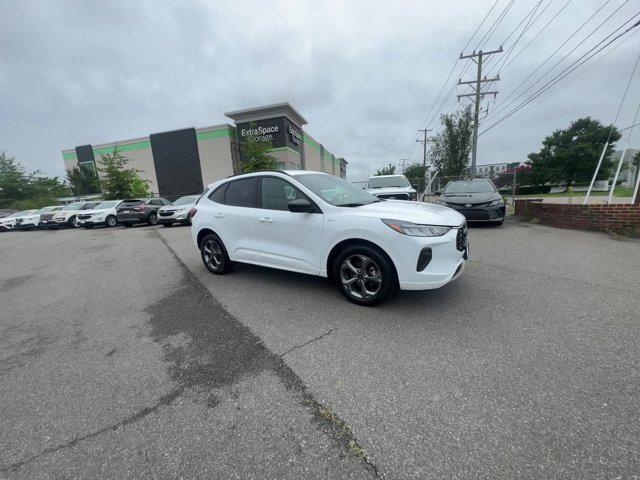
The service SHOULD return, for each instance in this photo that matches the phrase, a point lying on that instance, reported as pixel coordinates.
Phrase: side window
(218, 194)
(276, 193)
(155, 201)
(242, 193)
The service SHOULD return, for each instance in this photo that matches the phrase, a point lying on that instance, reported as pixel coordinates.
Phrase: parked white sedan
(178, 211)
(104, 214)
(320, 224)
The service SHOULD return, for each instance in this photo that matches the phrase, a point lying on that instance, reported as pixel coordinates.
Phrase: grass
(618, 192)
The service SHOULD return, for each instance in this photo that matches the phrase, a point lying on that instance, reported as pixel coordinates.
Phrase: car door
(288, 240)
(233, 217)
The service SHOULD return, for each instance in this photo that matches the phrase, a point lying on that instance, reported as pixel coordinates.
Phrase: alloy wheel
(360, 276)
(111, 221)
(212, 254)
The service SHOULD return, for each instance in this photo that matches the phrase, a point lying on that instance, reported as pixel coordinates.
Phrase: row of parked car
(108, 214)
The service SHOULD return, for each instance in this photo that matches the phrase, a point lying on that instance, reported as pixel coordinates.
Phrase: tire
(111, 221)
(88, 227)
(73, 222)
(214, 255)
(363, 275)
(153, 219)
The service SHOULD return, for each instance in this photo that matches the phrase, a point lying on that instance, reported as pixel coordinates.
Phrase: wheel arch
(338, 247)
(203, 233)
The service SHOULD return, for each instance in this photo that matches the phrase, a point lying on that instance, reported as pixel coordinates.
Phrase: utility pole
(403, 162)
(424, 141)
(478, 95)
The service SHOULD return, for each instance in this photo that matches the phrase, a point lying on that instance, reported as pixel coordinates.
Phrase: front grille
(461, 239)
(395, 196)
(464, 205)
(84, 217)
(165, 214)
(46, 216)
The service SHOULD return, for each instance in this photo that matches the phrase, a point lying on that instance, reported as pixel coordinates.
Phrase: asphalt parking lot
(122, 357)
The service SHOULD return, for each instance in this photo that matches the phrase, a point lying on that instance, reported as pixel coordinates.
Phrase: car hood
(472, 198)
(176, 207)
(417, 212)
(93, 212)
(391, 190)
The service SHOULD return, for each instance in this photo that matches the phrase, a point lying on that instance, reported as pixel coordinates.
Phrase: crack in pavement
(296, 347)
(139, 415)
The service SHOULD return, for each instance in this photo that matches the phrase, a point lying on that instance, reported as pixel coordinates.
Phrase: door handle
(218, 215)
(266, 220)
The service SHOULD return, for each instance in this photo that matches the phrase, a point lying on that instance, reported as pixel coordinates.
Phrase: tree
(256, 156)
(415, 170)
(118, 181)
(20, 189)
(82, 180)
(140, 188)
(388, 170)
(451, 148)
(570, 155)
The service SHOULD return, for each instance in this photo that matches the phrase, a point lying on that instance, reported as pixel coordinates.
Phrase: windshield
(385, 182)
(45, 209)
(336, 191)
(74, 206)
(22, 213)
(471, 186)
(105, 205)
(185, 200)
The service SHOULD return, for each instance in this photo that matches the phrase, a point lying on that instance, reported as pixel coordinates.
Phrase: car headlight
(497, 203)
(415, 229)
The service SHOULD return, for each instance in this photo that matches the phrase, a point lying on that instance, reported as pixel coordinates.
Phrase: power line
(570, 68)
(505, 64)
(503, 106)
(571, 80)
(454, 66)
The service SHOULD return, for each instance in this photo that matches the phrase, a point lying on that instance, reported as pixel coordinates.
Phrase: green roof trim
(224, 132)
(69, 156)
(311, 142)
(129, 147)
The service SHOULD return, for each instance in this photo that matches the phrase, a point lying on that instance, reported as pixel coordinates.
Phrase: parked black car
(478, 200)
(140, 210)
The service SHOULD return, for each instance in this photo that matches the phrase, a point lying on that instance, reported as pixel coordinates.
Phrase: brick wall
(620, 219)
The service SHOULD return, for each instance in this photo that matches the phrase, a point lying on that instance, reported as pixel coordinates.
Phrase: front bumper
(132, 218)
(54, 223)
(447, 260)
(482, 214)
(26, 226)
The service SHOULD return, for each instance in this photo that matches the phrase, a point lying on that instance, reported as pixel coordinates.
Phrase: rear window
(130, 203)
(242, 193)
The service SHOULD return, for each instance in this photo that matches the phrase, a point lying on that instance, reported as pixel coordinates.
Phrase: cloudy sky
(363, 73)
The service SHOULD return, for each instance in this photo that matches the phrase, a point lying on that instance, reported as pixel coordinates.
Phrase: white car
(319, 224)
(67, 216)
(103, 214)
(391, 187)
(32, 221)
(9, 222)
(178, 211)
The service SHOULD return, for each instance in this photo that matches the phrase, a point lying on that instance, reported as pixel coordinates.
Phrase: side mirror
(301, 205)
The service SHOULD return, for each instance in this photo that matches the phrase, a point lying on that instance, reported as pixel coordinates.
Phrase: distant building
(184, 161)
(628, 171)
(491, 169)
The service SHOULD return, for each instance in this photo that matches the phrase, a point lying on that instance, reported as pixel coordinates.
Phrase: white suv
(32, 221)
(67, 216)
(319, 224)
(391, 187)
(178, 211)
(104, 214)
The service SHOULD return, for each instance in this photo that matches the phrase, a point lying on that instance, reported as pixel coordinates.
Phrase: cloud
(363, 73)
